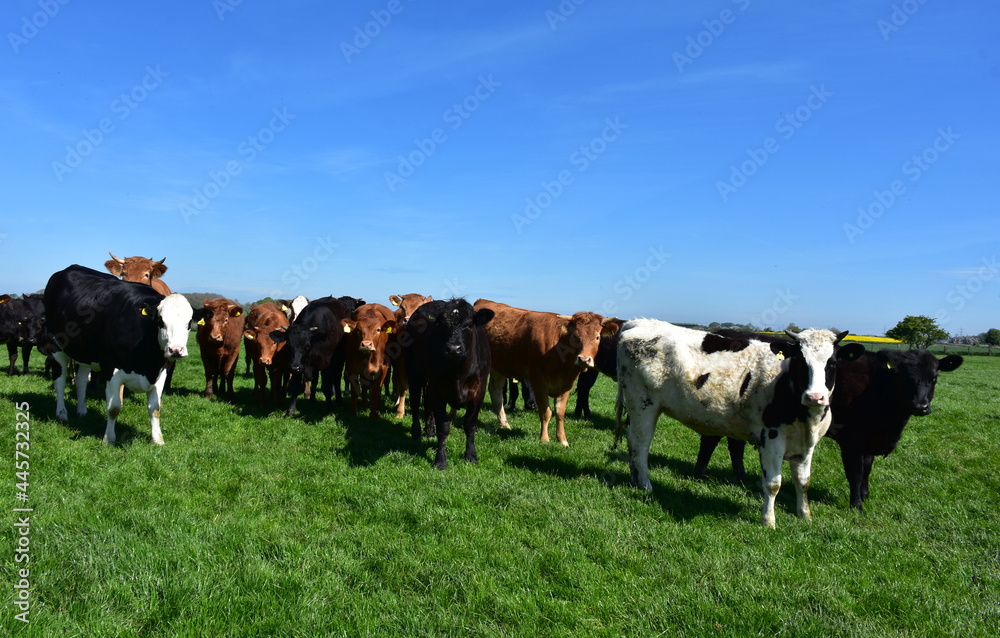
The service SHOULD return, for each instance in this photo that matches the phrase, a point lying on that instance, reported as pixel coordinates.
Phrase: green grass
(248, 523)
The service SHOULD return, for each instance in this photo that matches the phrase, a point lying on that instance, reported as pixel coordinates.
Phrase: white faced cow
(126, 330)
(776, 395)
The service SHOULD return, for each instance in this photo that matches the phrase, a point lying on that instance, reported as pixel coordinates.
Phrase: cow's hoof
(82, 413)
(62, 415)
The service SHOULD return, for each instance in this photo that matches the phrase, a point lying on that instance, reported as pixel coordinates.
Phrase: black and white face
(174, 316)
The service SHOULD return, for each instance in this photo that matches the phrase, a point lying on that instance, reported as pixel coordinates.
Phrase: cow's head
(407, 304)
(212, 324)
(138, 269)
(580, 335)
(260, 324)
(813, 356)
(300, 340)
(915, 374)
(453, 322)
(368, 331)
(173, 318)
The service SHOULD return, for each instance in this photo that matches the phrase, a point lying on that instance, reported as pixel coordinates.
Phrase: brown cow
(368, 331)
(405, 305)
(219, 338)
(269, 358)
(547, 349)
(140, 270)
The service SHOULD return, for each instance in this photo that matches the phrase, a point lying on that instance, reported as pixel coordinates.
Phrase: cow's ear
(236, 311)
(949, 363)
(610, 327)
(348, 325)
(201, 315)
(482, 317)
(146, 310)
(389, 326)
(114, 267)
(278, 336)
(317, 336)
(428, 298)
(158, 268)
(782, 349)
(396, 300)
(249, 335)
(850, 352)
(840, 336)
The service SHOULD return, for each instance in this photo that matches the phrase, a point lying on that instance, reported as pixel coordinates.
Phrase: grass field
(248, 523)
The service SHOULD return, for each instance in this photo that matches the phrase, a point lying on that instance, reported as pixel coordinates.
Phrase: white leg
(640, 436)
(82, 376)
(772, 452)
(114, 401)
(60, 385)
(800, 472)
(153, 402)
(496, 397)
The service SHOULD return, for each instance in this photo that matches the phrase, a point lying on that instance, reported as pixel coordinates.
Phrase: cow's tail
(619, 409)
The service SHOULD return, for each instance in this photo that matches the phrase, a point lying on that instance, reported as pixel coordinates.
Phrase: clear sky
(826, 164)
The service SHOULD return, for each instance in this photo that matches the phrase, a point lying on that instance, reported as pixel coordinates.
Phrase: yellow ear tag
(249, 336)
(888, 364)
(347, 329)
(144, 313)
(388, 330)
(284, 308)
(4, 300)
(239, 314)
(780, 356)
(201, 322)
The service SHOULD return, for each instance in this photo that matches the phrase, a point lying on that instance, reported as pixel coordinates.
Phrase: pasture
(249, 523)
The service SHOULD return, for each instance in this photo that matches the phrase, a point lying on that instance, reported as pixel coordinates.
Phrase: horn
(794, 335)
(840, 336)
(118, 259)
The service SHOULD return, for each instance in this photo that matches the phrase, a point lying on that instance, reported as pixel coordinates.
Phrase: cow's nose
(587, 362)
(266, 360)
(176, 352)
(217, 337)
(814, 398)
(922, 408)
(297, 368)
(367, 346)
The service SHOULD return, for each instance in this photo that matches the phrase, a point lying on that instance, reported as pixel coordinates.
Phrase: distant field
(248, 523)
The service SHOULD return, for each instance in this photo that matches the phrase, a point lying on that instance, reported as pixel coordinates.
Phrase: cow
(368, 331)
(22, 325)
(447, 356)
(511, 392)
(293, 307)
(405, 306)
(875, 396)
(220, 329)
(606, 362)
(776, 394)
(269, 359)
(127, 331)
(140, 270)
(546, 349)
(316, 346)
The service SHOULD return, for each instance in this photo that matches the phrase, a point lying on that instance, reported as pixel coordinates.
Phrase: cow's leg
(853, 461)
(705, 450)
(772, 452)
(25, 356)
(295, 386)
(82, 376)
(12, 354)
(260, 383)
(561, 402)
(60, 385)
(736, 449)
(496, 396)
(867, 469)
(443, 429)
(801, 470)
(113, 394)
(329, 382)
(400, 384)
(209, 384)
(154, 399)
(640, 436)
(355, 383)
(470, 420)
(416, 395)
(584, 383)
(544, 416)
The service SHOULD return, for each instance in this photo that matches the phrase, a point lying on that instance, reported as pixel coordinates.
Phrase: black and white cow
(776, 395)
(875, 397)
(127, 331)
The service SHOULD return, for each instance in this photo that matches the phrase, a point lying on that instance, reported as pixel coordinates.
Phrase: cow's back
(519, 339)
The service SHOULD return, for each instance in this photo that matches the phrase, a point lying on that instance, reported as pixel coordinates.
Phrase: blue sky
(827, 164)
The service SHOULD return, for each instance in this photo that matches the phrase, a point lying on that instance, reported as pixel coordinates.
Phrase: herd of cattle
(780, 393)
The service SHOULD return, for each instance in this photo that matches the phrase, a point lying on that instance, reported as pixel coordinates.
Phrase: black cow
(605, 362)
(875, 397)
(447, 356)
(315, 341)
(21, 326)
(127, 331)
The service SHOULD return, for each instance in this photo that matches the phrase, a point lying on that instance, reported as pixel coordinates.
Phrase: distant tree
(715, 325)
(917, 332)
(992, 337)
(793, 328)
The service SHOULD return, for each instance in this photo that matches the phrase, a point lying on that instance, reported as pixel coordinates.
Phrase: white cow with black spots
(775, 395)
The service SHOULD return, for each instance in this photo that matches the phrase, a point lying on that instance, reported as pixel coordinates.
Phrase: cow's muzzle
(815, 399)
(585, 362)
(176, 352)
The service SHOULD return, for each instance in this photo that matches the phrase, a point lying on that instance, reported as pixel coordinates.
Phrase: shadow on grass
(368, 440)
(93, 424)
